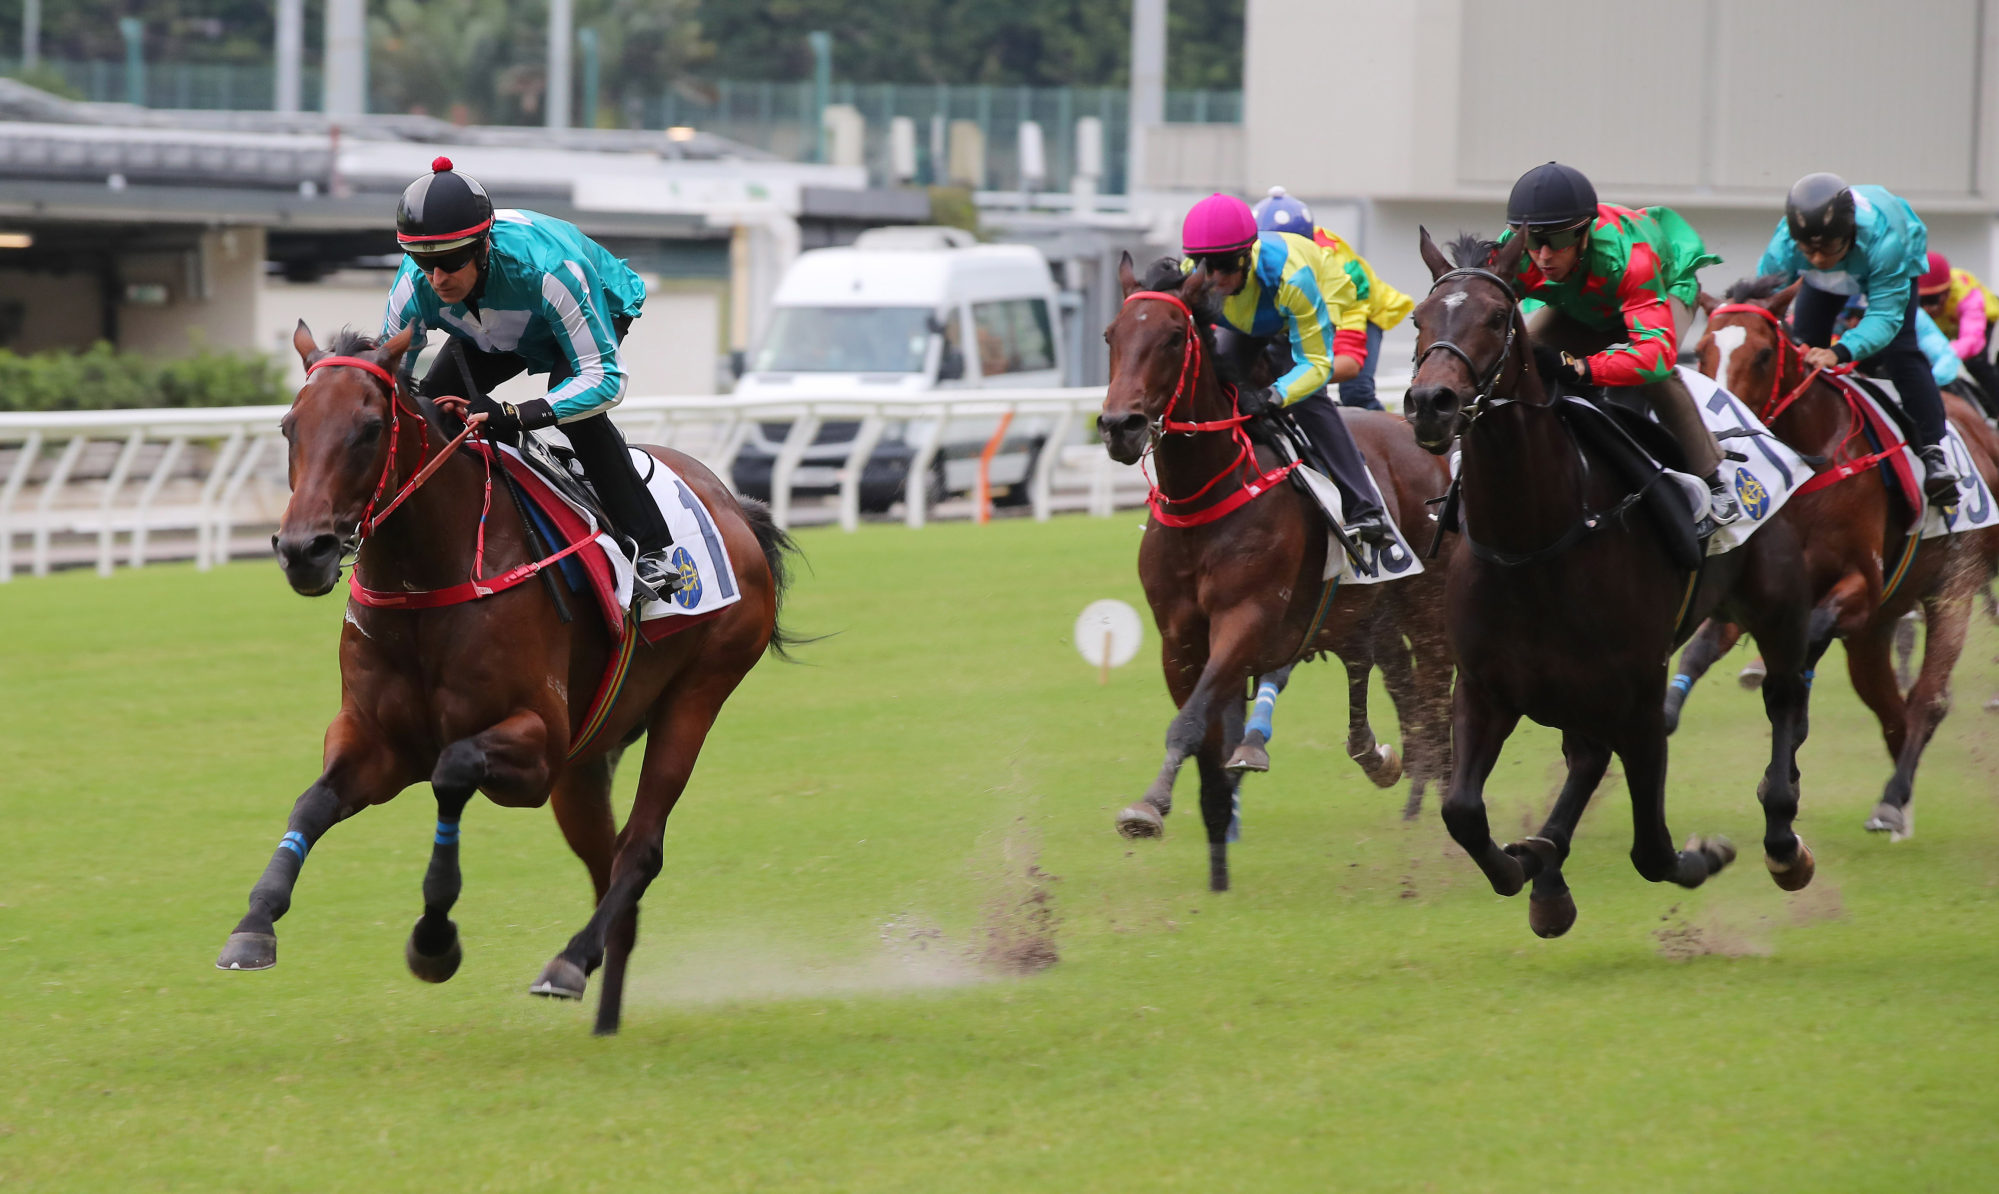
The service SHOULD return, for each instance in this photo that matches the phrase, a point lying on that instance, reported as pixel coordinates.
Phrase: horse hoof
(1751, 677)
(1387, 771)
(560, 979)
(1552, 916)
(1248, 757)
(1413, 808)
(1718, 851)
(248, 951)
(437, 967)
(1140, 820)
(1796, 874)
(1898, 823)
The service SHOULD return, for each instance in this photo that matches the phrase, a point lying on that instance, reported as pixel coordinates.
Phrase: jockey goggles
(1232, 261)
(450, 260)
(1556, 238)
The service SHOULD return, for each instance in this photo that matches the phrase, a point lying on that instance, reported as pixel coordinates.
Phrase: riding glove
(509, 417)
(1261, 400)
(1555, 365)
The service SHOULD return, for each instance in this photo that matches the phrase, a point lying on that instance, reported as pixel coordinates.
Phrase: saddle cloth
(1762, 483)
(604, 570)
(1391, 561)
(1975, 509)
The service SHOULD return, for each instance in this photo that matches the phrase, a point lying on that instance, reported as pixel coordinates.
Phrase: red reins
(427, 466)
(1774, 406)
(1190, 369)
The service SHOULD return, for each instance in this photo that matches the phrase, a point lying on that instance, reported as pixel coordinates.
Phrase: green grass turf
(1361, 1013)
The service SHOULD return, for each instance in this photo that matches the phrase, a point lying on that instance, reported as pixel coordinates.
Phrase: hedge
(105, 379)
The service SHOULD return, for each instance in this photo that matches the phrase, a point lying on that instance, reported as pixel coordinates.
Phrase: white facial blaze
(1726, 341)
(1454, 300)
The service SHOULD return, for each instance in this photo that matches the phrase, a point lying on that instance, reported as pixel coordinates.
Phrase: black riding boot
(601, 451)
(1331, 445)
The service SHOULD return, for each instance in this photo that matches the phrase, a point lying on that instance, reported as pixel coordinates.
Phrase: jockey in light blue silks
(1864, 240)
(520, 291)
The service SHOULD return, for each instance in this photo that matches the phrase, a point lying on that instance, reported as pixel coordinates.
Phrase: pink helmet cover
(1218, 224)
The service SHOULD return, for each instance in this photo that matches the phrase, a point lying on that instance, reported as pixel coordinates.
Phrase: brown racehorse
(1562, 611)
(1240, 594)
(488, 695)
(1865, 572)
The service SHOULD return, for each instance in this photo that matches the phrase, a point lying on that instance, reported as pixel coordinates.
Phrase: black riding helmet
(1551, 196)
(442, 212)
(1819, 208)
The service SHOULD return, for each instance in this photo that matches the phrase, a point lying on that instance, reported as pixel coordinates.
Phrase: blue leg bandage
(1266, 704)
(1809, 673)
(296, 843)
(1683, 682)
(447, 833)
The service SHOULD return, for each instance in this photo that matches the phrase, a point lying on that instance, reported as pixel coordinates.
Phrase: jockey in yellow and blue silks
(1277, 284)
(1845, 240)
(1382, 305)
(518, 291)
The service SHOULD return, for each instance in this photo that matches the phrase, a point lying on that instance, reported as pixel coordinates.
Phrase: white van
(893, 314)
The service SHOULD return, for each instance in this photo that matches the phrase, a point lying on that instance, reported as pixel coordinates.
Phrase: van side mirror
(951, 365)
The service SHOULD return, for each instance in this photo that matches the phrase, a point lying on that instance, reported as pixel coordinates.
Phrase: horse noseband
(1483, 379)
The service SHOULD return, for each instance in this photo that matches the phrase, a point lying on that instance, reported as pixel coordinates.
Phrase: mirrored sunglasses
(1556, 238)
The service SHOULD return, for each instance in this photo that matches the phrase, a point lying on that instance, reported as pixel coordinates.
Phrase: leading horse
(1233, 566)
(1563, 611)
(486, 695)
(1867, 564)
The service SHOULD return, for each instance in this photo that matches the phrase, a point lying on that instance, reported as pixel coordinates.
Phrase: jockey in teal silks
(520, 291)
(1847, 240)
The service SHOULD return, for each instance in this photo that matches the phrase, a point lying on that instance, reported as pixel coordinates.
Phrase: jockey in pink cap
(1282, 288)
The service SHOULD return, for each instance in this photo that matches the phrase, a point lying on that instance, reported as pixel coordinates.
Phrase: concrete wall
(212, 296)
(52, 310)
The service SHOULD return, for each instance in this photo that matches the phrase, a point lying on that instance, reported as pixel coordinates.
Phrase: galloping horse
(486, 693)
(1562, 611)
(1867, 566)
(1232, 566)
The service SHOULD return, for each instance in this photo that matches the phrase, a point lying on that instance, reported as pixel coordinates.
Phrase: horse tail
(777, 547)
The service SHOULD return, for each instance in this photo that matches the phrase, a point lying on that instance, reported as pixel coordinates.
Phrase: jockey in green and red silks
(1617, 289)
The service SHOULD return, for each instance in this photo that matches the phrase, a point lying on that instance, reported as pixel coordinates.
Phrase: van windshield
(845, 340)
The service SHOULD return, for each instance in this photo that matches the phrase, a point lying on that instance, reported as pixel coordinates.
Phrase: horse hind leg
(1713, 640)
(1251, 754)
(1652, 850)
(1218, 813)
(511, 759)
(1377, 760)
(581, 801)
(1947, 619)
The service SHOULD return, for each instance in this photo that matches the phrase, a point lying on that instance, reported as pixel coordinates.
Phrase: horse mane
(348, 342)
(1166, 275)
(1472, 251)
(1750, 289)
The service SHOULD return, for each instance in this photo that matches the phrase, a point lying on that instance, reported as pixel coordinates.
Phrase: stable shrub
(103, 378)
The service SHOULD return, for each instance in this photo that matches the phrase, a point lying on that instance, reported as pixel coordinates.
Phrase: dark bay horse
(1233, 569)
(1866, 570)
(487, 695)
(1565, 613)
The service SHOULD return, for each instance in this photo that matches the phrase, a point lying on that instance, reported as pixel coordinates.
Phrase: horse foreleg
(359, 771)
(1946, 619)
(510, 760)
(581, 800)
(1551, 909)
(673, 742)
(1377, 759)
(1712, 641)
(1221, 680)
(1251, 755)
(1479, 729)
(1644, 757)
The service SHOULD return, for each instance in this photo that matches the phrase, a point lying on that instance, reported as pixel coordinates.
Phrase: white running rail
(139, 486)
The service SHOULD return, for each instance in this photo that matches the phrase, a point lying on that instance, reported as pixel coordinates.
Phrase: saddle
(1611, 424)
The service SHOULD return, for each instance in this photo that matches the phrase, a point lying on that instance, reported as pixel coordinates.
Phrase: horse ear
(1708, 303)
(389, 355)
(1781, 301)
(303, 342)
(1195, 288)
(1507, 256)
(1126, 277)
(1432, 255)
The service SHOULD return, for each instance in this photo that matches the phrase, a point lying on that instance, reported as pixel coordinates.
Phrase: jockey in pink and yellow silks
(1277, 284)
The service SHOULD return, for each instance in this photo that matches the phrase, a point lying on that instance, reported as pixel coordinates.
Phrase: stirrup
(653, 572)
(1722, 508)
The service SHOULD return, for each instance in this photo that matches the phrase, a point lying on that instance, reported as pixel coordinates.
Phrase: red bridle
(1773, 405)
(1190, 369)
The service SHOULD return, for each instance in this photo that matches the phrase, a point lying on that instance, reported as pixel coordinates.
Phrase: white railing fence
(138, 486)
